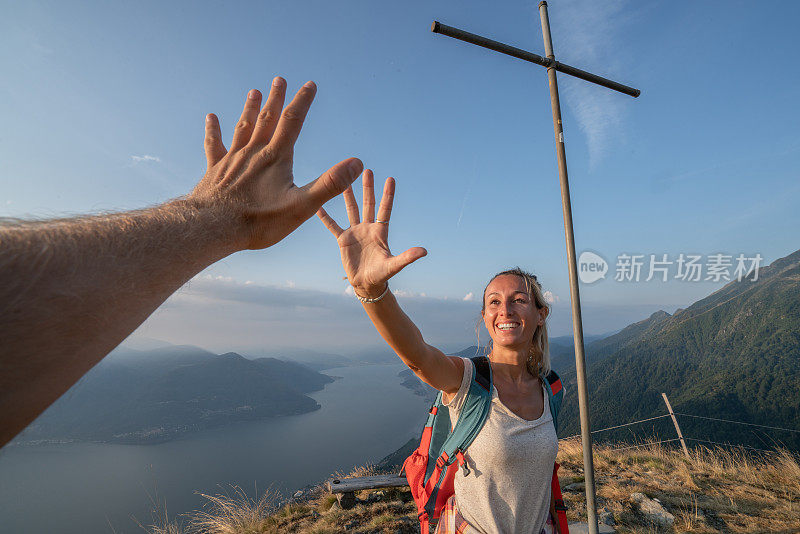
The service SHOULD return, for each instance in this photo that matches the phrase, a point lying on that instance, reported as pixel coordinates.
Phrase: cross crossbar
(497, 46)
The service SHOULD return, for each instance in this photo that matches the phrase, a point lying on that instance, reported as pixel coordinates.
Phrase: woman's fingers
(385, 209)
(399, 262)
(329, 223)
(214, 148)
(368, 181)
(270, 113)
(351, 206)
(244, 128)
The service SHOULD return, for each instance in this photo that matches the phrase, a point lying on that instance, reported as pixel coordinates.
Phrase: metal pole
(677, 428)
(577, 324)
(513, 51)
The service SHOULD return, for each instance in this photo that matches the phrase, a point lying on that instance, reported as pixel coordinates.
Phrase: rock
(583, 528)
(653, 510)
(375, 496)
(346, 500)
(576, 487)
(607, 517)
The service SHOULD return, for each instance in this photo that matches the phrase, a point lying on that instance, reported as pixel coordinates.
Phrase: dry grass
(717, 490)
(234, 513)
(361, 471)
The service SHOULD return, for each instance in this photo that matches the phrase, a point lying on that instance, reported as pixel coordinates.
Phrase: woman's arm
(369, 265)
(429, 363)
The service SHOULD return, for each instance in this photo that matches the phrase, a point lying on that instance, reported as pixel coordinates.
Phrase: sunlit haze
(103, 107)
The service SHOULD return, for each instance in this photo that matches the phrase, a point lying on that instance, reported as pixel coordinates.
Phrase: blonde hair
(539, 357)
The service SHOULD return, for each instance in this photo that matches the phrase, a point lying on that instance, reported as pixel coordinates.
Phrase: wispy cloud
(586, 35)
(146, 157)
(222, 314)
(550, 297)
(217, 312)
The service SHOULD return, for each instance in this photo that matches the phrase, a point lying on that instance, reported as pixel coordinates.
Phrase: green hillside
(732, 355)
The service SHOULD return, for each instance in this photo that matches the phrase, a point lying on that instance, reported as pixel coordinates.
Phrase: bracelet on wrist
(368, 300)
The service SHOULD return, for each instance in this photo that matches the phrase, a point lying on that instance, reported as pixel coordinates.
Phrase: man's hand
(252, 182)
(72, 289)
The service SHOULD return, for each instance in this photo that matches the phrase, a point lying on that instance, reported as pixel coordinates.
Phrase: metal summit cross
(577, 326)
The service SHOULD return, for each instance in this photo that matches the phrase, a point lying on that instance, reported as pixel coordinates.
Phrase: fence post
(677, 428)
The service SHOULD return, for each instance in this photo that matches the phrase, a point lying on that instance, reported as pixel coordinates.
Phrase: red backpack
(431, 469)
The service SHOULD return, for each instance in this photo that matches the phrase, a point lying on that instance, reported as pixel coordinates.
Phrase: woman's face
(510, 316)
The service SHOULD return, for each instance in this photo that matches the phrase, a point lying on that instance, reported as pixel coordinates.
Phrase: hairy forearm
(73, 289)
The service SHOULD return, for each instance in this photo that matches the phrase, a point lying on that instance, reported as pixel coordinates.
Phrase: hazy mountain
(318, 361)
(471, 352)
(732, 355)
(141, 396)
(143, 343)
(412, 382)
(569, 341)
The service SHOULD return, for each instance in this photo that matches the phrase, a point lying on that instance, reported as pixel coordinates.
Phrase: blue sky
(103, 107)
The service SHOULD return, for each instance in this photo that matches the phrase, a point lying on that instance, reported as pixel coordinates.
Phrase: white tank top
(511, 464)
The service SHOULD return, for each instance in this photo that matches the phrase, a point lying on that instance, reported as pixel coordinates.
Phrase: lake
(88, 487)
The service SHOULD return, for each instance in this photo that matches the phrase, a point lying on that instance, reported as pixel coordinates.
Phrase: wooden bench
(345, 489)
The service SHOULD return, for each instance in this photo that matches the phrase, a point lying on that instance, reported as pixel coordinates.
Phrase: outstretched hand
(251, 183)
(365, 245)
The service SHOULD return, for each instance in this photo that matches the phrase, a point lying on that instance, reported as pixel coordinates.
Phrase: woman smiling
(512, 456)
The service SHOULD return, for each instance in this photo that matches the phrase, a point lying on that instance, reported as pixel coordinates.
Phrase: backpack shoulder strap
(555, 392)
(473, 412)
(483, 371)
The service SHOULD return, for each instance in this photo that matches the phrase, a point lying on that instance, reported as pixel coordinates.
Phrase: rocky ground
(643, 489)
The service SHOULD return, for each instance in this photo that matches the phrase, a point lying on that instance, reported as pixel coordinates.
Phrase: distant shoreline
(167, 436)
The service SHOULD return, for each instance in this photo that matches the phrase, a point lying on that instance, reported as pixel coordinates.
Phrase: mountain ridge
(734, 354)
(153, 396)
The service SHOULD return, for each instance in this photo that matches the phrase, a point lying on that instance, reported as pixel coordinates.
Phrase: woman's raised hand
(364, 246)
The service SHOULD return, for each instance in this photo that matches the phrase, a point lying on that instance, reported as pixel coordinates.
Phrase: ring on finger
(382, 222)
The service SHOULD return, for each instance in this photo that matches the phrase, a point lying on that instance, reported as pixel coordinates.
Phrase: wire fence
(684, 439)
(737, 422)
(629, 424)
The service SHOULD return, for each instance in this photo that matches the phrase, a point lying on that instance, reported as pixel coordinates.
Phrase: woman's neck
(510, 363)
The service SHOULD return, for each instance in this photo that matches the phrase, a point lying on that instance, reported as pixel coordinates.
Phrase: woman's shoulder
(455, 399)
